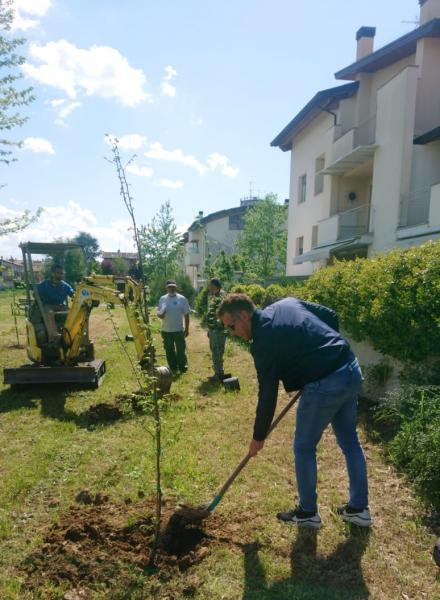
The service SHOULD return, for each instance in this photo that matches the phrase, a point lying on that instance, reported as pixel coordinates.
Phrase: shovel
(187, 515)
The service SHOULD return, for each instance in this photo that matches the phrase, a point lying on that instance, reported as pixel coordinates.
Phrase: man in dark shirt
(298, 343)
(53, 293)
(216, 331)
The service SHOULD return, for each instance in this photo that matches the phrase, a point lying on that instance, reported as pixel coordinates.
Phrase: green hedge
(393, 300)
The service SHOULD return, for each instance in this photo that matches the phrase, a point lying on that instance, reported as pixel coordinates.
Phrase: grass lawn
(51, 450)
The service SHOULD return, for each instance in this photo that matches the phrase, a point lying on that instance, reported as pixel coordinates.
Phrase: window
(236, 222)
(314, 236)
(319, 177)
(302, 188)
(299, 246)
(194, 247)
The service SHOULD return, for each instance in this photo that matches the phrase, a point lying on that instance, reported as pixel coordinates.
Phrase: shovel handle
(247, 458)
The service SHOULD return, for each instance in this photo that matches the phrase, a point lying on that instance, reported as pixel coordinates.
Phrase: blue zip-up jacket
(295, 342)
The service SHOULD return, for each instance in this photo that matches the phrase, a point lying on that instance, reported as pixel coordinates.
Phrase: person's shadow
(335, 577)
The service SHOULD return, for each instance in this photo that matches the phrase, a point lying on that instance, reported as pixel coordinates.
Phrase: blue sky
(196, 89)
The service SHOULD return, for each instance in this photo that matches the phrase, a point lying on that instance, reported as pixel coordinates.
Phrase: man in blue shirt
(53, 293)
(298, 343)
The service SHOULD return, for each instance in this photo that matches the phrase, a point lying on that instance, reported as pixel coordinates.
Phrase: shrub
(413, 415)
(273, 293)
(392, 300)
(201, 303)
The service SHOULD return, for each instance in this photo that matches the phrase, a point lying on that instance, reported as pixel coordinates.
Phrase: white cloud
(168, 183)
(166, 87)
(97, 71)
(158, 152)
(63, 107)
(66, 222)
(132, 141)
(221, 162)
(141, 171)
(39, 145)
(215, 162)
(68, 109)
(25, 12)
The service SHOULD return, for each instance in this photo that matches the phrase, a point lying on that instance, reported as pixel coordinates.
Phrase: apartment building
(211, 234)
(365, 166)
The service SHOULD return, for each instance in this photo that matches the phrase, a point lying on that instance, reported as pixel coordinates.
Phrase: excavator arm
(90, 292)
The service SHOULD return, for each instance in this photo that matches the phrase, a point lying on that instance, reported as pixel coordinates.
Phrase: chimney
(365, 41)
(429, 9)
(200, 214)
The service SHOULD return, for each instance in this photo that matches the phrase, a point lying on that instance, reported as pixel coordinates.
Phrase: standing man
(53, 293)
(216, 330)
(174, 309)
(298, 343)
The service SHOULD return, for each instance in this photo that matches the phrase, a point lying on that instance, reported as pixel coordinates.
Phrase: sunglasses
(231, 325)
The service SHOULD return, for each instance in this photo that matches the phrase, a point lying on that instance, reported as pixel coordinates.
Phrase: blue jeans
(332, 399)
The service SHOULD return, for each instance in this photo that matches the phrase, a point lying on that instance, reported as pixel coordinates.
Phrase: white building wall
(396, 102)
(219, 237)
(316, 140)
(428, 92)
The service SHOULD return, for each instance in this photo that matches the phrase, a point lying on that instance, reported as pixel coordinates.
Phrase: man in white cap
(174, 311)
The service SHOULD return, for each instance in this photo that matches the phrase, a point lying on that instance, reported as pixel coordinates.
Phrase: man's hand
(255, 447)
(186, 333)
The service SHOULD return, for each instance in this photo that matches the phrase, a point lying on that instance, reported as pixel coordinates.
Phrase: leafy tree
(161, 245)
(91, 248)
(10, 97)
(120, 266)
(14, 224)
(264, 240)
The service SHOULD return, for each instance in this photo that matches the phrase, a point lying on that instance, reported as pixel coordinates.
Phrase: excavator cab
(68, 356)
(48, 359)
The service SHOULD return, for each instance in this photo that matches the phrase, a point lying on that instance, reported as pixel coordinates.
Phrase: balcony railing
(414, 208)
(345, 140)
(345, 225)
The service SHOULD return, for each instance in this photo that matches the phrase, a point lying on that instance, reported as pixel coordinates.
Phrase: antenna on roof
(416, 22)
(250, 189)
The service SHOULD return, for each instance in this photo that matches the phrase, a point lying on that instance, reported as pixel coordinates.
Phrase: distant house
(108, 260)
(208, 236)
(365, 156)
(9, 270)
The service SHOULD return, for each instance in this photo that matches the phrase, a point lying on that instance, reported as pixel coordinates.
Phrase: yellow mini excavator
(71, 358)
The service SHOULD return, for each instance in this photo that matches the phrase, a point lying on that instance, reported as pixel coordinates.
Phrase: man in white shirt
(174, 311)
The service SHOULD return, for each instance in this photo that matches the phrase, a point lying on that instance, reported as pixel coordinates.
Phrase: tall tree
(10, 97)
(89, 243)
(263, 244)
(91, 249)
(161, 244)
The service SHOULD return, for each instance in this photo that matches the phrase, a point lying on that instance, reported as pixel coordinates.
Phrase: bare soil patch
(97, 542)
(102, 413)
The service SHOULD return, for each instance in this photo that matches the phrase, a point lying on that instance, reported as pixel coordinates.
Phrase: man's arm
(161, 309)
(187, 325)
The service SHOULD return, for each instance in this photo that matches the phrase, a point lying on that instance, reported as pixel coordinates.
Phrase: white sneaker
(357, 516)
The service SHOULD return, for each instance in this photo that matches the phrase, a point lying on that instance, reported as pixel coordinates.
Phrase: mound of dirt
(102, 413)
(101, 543)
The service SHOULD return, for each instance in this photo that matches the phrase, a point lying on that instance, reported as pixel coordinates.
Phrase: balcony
(420, 213)
(343, 226)
(193, 258)
(346, 232)
(352, 148)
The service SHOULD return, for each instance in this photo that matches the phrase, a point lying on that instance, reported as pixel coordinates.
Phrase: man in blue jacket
(53, 293)
(298, 343)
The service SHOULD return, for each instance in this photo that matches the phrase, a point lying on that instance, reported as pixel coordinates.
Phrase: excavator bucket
(90, 373)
